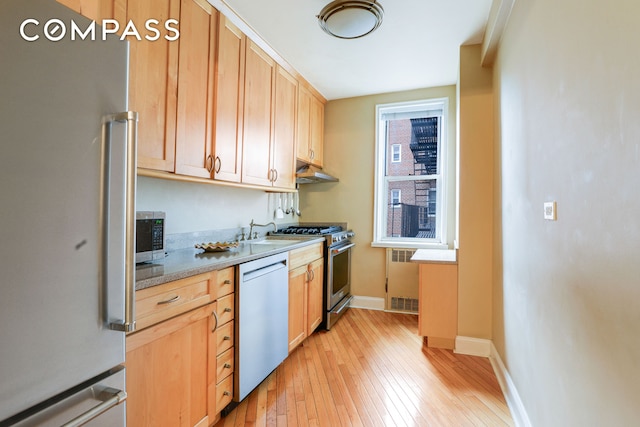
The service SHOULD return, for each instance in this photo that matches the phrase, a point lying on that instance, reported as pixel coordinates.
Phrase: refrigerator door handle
(131, 118)
(110, 397)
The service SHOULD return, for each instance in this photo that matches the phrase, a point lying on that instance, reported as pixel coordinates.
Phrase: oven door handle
(342, 248)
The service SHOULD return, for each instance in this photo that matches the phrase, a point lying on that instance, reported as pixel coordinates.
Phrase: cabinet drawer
(224, 392)
(224, 337)
(224, 283)
(224, 365)
(226, 310)
(305, 255)
(162, 302)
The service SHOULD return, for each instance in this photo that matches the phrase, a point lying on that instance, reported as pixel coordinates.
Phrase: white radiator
(402, 281)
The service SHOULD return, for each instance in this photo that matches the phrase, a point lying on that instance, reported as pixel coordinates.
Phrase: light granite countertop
(187, 262)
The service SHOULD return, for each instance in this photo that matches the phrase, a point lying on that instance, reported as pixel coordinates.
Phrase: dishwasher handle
(254, 274)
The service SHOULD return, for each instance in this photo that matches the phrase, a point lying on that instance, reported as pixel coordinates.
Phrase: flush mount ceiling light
(350, 19)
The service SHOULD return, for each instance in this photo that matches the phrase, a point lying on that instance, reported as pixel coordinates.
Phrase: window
(395, 153)
(395, 198)
(419, 130)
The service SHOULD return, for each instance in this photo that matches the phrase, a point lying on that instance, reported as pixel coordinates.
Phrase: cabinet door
(96, 10)
(316, 130)
(310, 127)
(167, 371)
(194, 145)
(297, 306)
(303, 146)
(438, 304)
(153, 82)
(315, 308)
(258, 116)
(229, 101)
(284, 138)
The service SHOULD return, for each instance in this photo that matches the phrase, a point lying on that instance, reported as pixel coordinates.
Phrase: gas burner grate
(323, 230)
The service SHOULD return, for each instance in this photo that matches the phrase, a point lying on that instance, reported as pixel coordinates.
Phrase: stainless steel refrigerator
(67, 188)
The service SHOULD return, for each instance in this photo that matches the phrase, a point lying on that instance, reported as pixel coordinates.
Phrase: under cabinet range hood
(308, 174)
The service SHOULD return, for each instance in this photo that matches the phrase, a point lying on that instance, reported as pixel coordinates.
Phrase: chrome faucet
(253, 224)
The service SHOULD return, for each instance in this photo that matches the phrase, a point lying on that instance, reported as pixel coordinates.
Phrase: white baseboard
(518, 412)
(473, 346)
(370, 303)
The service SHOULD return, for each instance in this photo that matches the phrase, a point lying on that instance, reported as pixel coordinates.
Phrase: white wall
(194, 207)
(567, 299)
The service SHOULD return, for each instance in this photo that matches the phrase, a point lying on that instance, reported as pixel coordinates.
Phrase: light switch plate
(550, 211)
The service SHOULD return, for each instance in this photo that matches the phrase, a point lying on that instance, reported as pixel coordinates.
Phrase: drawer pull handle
(226, 338)
(226, 282)
(226, 393)
(227, 309)
(227, 366)
(170, 300)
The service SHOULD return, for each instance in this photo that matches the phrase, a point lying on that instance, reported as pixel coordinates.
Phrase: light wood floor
(372, 369)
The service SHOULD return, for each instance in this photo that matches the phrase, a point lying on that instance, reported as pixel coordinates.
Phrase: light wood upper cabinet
(153, 82)
(316, 127)
(310, 127)
(96, 10)
(229, 101)
(196, 63)
(259, 85)
(270, 110)
(284, 138)
(213, 104)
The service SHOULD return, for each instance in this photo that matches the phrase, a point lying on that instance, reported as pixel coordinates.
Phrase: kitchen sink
(275, 242)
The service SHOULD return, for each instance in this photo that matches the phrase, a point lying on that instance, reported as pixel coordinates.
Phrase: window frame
(443, 187)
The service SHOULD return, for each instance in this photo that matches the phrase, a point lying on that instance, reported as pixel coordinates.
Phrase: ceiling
(416, 46)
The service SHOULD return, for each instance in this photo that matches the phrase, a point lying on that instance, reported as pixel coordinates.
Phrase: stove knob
(350, 234)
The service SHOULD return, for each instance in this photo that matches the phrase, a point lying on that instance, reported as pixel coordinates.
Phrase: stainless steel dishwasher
(262, 330)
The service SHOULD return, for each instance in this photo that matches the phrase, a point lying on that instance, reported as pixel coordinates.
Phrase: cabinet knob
(227, 309)
(226, 338)
(226, 393)
(227, 366)
(226, 282)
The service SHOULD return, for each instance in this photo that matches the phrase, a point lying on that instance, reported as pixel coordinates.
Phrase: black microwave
(150, 236)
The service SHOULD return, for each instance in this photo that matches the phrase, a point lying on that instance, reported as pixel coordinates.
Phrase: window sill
(436, 256)
(409, 245)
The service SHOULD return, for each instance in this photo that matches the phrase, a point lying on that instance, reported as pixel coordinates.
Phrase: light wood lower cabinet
(438, 304)
(305, 293)
(167, 371)
(180, 363)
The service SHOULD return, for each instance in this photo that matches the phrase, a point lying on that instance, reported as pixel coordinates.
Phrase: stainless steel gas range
(337, 266)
